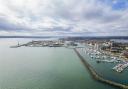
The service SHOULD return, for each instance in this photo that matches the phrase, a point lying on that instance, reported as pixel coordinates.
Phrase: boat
(98, 61)
(97, 57)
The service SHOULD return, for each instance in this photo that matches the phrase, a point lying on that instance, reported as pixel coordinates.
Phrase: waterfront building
(116, 49)
(71, 43)
(125, 54)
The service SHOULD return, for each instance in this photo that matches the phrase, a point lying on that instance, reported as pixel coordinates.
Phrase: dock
(96, 76)
(120, 67)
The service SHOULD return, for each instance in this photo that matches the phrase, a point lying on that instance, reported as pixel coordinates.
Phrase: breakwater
(96, 75)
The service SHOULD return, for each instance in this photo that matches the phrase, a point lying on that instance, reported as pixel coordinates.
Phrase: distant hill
(25, 37)
(70, 37)
(96, 38)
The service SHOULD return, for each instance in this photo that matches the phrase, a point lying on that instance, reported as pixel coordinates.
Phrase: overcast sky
(63, 17)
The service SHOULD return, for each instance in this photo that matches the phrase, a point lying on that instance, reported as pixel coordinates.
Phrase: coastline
(97, 76)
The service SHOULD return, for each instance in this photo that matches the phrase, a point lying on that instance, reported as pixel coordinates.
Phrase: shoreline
(97, 76)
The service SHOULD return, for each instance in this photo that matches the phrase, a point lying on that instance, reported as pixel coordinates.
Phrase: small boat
(98, 61)
(97, 57)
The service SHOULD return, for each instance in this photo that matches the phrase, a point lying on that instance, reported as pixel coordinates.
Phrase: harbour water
(43, 68)
(105, 70)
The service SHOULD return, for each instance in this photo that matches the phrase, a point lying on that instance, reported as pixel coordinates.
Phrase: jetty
(16, 46)
(120, 67)
(96, 76)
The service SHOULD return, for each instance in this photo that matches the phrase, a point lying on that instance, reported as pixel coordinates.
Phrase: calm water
(42, 68)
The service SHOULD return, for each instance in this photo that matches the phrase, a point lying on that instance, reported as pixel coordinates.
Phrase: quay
(96, 76)
(47, 43)
(120, 67)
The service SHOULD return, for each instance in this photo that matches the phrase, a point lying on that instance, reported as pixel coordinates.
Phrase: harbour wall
(96, 76)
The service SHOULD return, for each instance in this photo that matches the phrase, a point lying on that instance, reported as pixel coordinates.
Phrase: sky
(63, 17)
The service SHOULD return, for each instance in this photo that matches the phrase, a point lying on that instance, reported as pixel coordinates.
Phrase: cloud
(64, 17)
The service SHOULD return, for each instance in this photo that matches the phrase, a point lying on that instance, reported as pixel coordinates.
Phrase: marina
(97, 76)
(109, 62)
